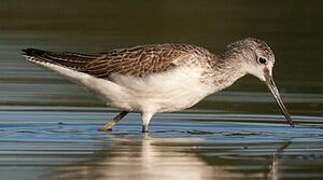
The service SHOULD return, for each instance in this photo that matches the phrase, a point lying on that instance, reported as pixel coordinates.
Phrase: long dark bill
(274, 91)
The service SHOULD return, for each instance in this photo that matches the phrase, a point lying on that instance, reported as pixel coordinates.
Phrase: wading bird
(161, 77)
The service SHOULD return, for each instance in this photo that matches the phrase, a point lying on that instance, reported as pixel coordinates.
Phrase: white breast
(170, 91)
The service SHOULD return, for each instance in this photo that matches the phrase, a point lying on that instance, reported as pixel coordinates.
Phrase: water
(48, 126)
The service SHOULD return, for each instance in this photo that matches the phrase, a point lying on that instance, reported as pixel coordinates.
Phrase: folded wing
(137, 61)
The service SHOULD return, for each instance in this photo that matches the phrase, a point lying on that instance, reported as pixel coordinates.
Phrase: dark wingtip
(32, 52)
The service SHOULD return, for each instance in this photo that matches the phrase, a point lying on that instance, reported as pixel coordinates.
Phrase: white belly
(169, 91)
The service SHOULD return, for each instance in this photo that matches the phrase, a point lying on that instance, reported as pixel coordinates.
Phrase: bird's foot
(104, 129)
(144, 129)
(109, 125)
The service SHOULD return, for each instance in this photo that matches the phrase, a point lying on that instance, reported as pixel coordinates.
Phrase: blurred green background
(292, 28)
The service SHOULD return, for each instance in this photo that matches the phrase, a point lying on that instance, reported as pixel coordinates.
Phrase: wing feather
(138, 61)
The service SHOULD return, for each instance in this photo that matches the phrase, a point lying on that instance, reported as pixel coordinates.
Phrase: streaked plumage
(138, 61)
(158, 77)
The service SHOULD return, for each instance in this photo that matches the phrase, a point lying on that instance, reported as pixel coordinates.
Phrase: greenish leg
(109, 125)
(144, 128)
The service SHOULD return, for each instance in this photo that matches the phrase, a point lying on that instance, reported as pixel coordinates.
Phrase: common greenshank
(161, 77)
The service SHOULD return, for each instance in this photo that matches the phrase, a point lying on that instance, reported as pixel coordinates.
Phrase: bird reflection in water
(154, 158)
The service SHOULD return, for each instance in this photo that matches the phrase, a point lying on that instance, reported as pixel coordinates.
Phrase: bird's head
(258, 59)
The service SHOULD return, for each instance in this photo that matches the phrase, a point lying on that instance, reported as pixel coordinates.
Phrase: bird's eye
(262, 60)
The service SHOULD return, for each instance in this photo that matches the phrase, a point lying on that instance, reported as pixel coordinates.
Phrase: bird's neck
(228, 68)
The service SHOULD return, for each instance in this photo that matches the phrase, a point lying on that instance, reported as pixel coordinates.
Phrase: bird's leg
(109, 125)
(146, 116)
(144, 128)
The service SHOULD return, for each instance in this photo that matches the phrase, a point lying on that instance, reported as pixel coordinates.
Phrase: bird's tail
(69, 60)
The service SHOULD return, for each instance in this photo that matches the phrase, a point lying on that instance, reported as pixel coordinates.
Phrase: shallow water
(65, 144)
(48, 126)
